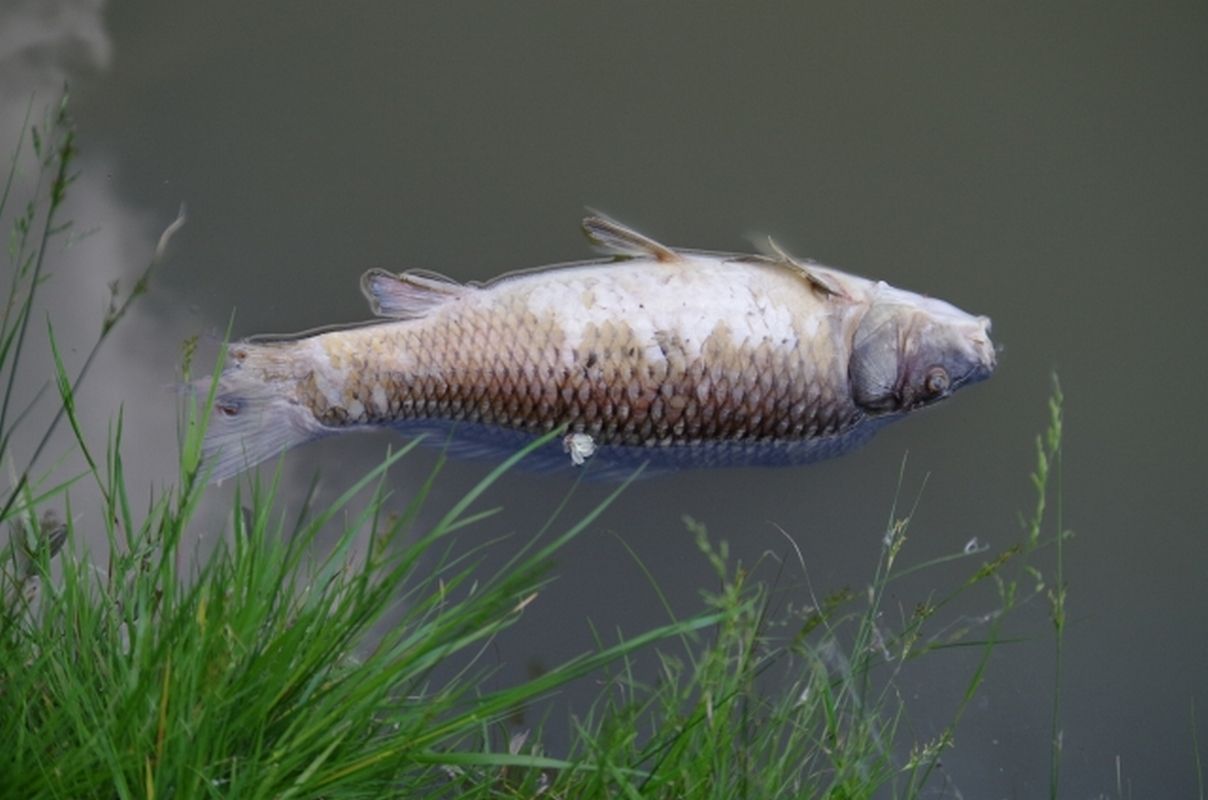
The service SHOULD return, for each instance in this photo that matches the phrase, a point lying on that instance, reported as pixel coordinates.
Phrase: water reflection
(43, 46)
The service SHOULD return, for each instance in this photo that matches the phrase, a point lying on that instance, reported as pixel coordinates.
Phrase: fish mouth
(987, 353)
(984, 355)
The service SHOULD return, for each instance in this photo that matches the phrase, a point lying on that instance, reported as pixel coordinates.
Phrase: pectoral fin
(411, 295)
(821, 282)
(613, 237)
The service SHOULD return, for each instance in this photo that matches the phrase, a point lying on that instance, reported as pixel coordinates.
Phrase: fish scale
(682, 357)
(607, 388)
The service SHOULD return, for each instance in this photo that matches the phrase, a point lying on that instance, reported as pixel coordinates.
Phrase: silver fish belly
(676, 357)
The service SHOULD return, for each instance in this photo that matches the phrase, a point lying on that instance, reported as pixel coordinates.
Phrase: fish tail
(256, 415)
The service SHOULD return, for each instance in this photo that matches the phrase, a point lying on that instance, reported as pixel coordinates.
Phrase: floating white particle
(580, 446)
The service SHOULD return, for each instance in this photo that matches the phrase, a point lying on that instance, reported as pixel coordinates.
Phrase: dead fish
(657, 355)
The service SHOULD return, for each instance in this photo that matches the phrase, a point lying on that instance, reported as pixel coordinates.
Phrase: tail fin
(253, 418)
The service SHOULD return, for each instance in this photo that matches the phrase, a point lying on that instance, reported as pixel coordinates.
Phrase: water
(1041, 165)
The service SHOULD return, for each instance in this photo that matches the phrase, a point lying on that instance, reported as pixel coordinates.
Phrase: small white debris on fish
(657, 354)
(580, 446)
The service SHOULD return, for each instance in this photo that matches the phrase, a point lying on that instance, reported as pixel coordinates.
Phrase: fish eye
(937, 381)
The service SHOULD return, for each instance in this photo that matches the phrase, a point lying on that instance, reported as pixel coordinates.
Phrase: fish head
(911, 351)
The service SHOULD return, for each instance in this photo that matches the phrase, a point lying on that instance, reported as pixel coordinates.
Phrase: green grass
(272, 667)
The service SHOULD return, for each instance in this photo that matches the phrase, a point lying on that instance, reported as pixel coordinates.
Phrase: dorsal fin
(615, 238)
(410, 295)
(823, 284)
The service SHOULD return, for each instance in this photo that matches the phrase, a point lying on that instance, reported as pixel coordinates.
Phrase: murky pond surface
(1043, 166)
